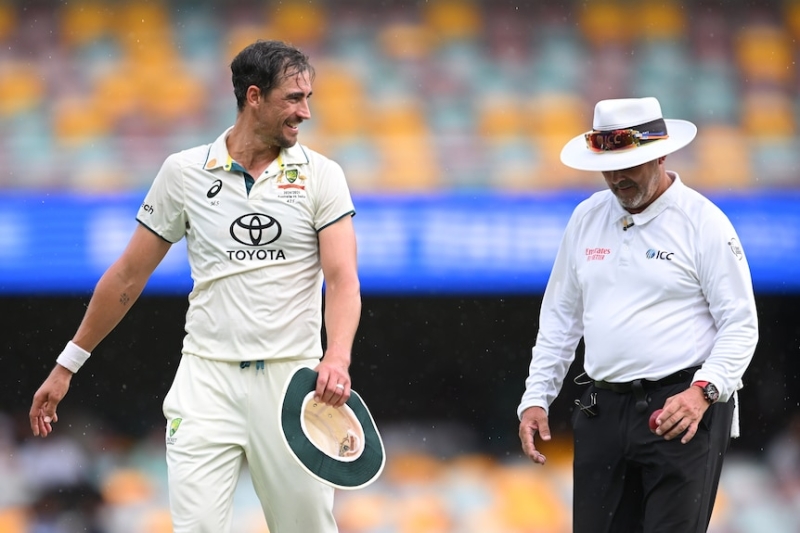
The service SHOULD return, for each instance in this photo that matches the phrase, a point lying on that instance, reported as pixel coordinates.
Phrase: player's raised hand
(43, 410)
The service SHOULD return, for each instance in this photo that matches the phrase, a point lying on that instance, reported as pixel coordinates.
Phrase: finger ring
(339, 386)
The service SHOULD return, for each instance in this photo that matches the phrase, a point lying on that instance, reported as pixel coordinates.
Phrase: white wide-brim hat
(621, 114)
(339, 446)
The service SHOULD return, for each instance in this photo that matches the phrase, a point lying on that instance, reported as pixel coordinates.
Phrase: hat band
(623, 139)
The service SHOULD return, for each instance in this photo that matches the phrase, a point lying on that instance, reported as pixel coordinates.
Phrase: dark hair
(264, 64)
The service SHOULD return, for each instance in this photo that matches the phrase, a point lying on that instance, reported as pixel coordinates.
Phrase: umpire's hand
(682, 415)
(534, 419)
(45, 401)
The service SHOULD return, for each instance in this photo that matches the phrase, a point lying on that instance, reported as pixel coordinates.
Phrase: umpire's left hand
(682, 414)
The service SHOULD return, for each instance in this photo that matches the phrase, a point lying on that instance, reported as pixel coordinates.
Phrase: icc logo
(255, 229)
(658, 254)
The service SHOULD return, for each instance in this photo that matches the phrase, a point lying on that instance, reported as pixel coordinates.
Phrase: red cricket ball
(653, 424)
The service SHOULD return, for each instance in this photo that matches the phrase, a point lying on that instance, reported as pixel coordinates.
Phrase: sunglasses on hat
(608, 141)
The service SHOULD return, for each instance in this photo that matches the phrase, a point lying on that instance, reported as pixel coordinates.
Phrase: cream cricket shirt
(669, 292)
(254, 255)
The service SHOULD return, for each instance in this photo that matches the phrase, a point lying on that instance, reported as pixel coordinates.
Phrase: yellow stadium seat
(552, 120)
(134, 16)
(126, 487)
(241, 35)
(402, 117)
(8, 19)
(557, 115)
(300, 23)
(116, 95)
(21, 88)
(77, 120)
(722, 508)
(768, 113)
(526, 500)
(453, 19)
(359, 512)
(404, 41)
(660, 20)
(13, 520)
(792, 18)
(413, 468)
(424, 512)
(723, 160)
(499, 116)
(341, 119)
(163, 90)
(560, 449)
(604, 22)
(172, 94)
(400, 132)
(765, 54)
(337, 107)
(156, 521)
(145, 31)
(85, 22)
(551, 173)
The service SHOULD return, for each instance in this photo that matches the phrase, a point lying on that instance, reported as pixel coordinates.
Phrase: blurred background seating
(436, 480)
(453, 94)
(410, 98)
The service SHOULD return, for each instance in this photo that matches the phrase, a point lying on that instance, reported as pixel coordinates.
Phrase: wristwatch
(710, 391)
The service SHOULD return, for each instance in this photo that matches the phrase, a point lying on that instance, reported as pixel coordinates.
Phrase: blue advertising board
(455, 243)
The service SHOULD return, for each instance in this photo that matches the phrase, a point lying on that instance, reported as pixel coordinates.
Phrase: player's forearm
(113, 296)
(342, 316)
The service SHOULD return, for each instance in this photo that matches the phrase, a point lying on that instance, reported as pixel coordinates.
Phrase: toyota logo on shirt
(255, 229)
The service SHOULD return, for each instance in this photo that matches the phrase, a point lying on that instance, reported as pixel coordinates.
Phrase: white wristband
(72, 357)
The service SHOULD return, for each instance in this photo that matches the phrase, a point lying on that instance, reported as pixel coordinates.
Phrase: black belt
(681, 376)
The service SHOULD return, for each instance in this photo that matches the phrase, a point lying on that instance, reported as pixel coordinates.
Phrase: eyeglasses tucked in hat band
(622, 139)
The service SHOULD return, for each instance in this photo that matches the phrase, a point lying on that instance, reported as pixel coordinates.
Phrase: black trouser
(629, 480)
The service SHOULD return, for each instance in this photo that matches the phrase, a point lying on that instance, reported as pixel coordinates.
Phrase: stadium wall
(434, 360)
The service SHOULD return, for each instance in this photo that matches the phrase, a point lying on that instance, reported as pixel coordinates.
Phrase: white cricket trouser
(218, 414)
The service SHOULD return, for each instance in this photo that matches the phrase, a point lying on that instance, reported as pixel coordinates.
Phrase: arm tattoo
(124, 299)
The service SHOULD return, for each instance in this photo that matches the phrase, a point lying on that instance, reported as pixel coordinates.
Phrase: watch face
(711, 393)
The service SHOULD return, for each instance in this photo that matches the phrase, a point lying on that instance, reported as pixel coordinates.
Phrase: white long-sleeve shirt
(671, 291)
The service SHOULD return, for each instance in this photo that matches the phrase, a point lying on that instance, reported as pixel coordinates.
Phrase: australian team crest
(174, 424)
(295, 187)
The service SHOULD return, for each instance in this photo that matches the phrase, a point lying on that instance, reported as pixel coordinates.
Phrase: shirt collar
(218, 156)
(660, 204)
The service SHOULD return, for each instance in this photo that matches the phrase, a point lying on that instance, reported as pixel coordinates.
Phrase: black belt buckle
(591, 409)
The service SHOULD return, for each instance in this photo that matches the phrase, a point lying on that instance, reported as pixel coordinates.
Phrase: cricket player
(265, 221)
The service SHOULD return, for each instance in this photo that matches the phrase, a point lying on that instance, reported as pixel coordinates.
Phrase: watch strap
(709, 390)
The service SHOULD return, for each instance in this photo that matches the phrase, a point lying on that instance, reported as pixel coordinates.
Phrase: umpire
(653, 277)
